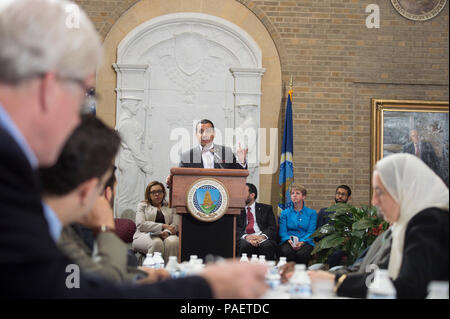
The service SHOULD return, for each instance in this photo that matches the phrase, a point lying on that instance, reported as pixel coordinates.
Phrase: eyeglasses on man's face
(90, 96)
(343, 194)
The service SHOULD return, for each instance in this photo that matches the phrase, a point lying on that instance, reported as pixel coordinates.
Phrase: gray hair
(38, 36)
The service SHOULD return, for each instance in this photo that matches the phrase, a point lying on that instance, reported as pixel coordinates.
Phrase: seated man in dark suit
(256, 227)
(342, 195)
(209, 155)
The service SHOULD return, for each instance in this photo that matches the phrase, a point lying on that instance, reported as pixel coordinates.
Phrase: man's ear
(47, 90)
(108, 193)
(86, 188)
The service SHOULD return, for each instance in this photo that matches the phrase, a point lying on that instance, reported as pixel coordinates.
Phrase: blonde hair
(298, 187)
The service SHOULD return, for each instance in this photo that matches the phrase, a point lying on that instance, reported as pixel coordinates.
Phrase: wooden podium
(197, 237)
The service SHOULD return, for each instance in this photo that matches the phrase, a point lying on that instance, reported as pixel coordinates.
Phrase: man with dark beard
(256, 228)
(342, 195)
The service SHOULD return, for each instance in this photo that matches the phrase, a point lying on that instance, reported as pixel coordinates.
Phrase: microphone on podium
(219, 160)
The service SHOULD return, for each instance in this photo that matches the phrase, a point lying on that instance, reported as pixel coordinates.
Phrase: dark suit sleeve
(430, 158)
(408, 148)
(186, 159)
(240, 225)
(269, 224)
(227, 155)
(321, 218)
(425, 255)
(424, 260)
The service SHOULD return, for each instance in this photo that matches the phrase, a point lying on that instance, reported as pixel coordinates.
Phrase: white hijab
(415, 187)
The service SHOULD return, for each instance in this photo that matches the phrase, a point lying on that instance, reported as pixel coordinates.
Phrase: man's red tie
(251, 221)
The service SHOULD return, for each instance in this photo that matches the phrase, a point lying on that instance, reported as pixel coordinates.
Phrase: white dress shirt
(255, 224)
(207, 155)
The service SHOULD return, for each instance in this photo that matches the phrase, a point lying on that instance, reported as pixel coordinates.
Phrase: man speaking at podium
(208, 155)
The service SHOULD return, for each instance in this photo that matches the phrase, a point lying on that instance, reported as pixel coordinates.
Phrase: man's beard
(247, 201)
(340, 201)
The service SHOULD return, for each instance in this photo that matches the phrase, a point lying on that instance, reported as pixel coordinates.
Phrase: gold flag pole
(291, 83)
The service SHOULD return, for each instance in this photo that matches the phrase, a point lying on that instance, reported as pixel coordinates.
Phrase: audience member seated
(156, 224)
(414, 200)
(297, 224)
(376, 254)
(256, 227)
(342, 195)
(124, 227)
(71, 187)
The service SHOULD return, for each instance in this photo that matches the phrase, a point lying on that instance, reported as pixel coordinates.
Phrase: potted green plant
(351, 229)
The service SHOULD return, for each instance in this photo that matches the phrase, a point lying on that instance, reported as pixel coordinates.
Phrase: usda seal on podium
(207, 199)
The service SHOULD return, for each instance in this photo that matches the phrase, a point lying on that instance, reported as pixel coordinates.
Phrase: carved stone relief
(181, 65)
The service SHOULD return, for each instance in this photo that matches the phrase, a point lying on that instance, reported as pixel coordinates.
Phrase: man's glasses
(90, 96)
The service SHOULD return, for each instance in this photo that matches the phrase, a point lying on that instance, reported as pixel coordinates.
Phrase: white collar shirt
(255, 225)
(207, 155)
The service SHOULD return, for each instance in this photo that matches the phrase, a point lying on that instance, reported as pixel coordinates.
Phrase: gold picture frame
(392, 123)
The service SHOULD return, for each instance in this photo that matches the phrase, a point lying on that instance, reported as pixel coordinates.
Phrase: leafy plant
(350, 229)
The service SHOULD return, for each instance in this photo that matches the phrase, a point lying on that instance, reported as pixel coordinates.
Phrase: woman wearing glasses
(156, 224)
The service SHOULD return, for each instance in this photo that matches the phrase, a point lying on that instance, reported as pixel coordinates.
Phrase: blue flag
(286, 176)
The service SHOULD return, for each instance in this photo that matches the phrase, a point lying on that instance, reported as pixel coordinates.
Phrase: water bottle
(382, 287)
(281, 262)
(262, 259)
(254, 259)
(438, 290)
(198, 266)
(159, 261)
(148, 261)
(172, 267)
(299, 284)
(273, 278)
(244, 258)
(184, 269)
(192, 259)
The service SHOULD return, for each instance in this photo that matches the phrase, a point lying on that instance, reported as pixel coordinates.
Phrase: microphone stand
(219, 160)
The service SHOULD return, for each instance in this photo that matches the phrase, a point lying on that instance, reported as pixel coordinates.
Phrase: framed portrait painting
(417, 127)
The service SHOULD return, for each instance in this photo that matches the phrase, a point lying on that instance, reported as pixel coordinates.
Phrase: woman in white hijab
(415, 201)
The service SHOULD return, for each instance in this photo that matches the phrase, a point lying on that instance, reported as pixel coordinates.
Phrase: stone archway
(134, 76)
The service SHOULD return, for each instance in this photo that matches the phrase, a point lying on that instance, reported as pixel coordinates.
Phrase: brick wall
(338, 65)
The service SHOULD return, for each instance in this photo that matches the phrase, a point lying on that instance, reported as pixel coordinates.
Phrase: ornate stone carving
(190, 56)
(132, 161)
